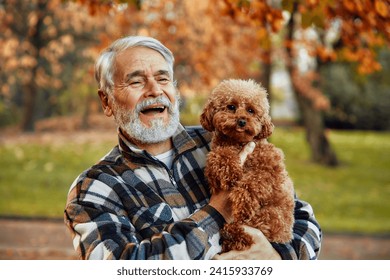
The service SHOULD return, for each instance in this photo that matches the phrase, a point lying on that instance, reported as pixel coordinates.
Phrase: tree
(42, 44)
(213, 40)
(333, 26)
(30, 28)
(207, 46)
(308, 95)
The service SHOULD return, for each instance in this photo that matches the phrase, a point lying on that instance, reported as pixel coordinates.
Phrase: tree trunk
(321, 150)
(86, 112)
(266, 76)
(30, 88)
(29, 97)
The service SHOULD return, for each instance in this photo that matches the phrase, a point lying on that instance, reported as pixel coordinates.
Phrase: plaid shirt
(132, 206)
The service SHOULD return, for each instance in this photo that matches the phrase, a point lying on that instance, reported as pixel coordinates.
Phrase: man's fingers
(260, 250)
(252, 231)
(231, 255)
(257, 234)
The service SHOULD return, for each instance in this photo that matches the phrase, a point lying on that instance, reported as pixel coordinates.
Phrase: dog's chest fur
(262, 159)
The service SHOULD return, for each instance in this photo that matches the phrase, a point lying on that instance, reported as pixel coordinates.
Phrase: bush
(358, 102)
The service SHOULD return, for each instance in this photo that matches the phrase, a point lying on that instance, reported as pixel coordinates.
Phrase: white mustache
(163, 100)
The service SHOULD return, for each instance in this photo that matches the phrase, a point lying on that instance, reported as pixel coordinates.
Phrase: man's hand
(260, 250)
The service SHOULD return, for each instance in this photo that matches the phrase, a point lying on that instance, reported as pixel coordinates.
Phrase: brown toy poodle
(260, 190)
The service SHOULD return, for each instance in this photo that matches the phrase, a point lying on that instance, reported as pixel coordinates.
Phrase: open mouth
(153, 109)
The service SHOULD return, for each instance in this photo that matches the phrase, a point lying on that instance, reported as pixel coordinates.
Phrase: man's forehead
(141, 60)
(140, 55)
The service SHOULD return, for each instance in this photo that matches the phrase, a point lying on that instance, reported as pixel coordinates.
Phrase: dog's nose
(241, 122)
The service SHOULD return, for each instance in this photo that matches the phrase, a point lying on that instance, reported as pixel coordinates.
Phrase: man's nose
(153, 88)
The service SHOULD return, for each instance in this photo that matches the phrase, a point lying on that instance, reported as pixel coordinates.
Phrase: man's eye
(136, 83)
(231, 107)
(163, 80)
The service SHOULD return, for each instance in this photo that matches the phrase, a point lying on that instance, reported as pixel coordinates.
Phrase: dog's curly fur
(261, 191)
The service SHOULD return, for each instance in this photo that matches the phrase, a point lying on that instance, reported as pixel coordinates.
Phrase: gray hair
(105, 64)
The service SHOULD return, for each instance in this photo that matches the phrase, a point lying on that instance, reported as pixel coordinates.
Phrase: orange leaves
(207, 43)
(349, 5)
(257, 12)
(365, 26)
(326, 54)
(312, 13)
(275, 20)
(368, 65)
(96, 6)
(312, 3)
(363, 14)
(382, 8)
(365, 58)
(361, 6)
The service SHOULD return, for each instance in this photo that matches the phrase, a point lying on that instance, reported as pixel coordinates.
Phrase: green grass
(35, 178)
(354, 197)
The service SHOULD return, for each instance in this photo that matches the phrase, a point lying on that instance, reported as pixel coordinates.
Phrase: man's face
(145, 103)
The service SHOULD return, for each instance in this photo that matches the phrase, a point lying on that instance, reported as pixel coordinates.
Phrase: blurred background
(326, 65)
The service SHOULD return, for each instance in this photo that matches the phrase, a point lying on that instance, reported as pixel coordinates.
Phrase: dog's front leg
(223, 168)
(244, 202)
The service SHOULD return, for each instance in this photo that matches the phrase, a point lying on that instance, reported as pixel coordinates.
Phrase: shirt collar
(181, 142)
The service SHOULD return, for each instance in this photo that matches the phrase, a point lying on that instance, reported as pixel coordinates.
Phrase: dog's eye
(251, 111)
(231, 107)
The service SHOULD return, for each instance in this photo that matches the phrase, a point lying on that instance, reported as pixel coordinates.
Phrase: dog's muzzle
(241, 122)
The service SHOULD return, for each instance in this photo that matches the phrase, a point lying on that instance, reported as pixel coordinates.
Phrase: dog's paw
(239, 243)
(235, 238)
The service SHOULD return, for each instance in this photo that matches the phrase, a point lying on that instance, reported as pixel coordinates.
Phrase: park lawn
(354, 197)
(35, 178)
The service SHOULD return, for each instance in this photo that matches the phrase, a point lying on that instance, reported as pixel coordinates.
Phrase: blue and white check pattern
(131, 206)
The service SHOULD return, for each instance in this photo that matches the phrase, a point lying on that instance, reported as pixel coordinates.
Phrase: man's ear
(106, 104)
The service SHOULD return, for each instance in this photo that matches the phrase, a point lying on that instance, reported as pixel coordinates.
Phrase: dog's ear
(266, 129)
(206, 118)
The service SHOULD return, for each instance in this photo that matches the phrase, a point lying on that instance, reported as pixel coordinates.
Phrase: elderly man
(148, 197)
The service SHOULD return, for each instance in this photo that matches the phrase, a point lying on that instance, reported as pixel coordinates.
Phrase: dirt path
(31, 239)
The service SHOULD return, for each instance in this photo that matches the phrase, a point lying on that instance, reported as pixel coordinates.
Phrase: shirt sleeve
(307, 235)
(101, 229)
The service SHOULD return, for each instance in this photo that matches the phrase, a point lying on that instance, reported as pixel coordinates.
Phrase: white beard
(130, 123)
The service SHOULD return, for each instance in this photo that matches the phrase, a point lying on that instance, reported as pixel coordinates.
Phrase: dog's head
(238, 109)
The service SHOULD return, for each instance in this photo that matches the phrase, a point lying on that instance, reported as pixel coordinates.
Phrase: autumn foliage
(314, 33)
(47, 47)
(364, 27)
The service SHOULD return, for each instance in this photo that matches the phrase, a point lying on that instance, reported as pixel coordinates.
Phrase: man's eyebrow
(134, 74)
(139, 73)
(161, 72)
